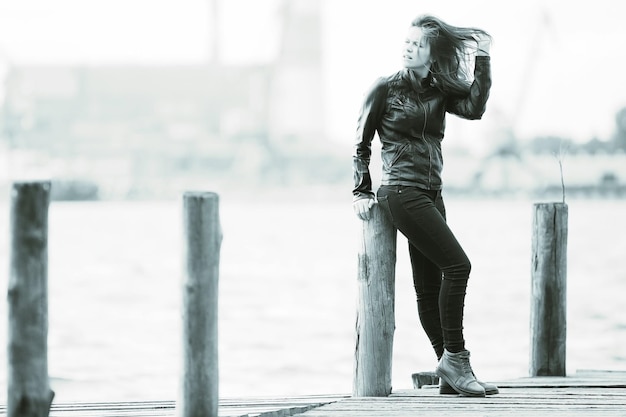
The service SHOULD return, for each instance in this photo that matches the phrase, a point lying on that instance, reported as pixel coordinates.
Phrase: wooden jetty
(586, 393)
(547, 391)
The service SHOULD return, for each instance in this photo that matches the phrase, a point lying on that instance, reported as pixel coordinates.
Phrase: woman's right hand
(362, 208)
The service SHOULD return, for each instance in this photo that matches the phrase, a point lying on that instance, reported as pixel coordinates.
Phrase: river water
(288, 295)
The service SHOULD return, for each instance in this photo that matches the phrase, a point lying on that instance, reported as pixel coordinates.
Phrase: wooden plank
(234, 407)
(600, 374)
(582, 378)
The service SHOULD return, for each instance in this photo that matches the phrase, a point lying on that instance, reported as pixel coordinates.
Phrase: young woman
(408, 111)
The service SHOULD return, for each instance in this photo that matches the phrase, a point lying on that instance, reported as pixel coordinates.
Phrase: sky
(557, 65)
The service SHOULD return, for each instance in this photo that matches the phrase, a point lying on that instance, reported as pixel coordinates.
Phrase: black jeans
(439, 264)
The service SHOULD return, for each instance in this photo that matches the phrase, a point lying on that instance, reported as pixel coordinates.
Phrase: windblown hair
(451, 48)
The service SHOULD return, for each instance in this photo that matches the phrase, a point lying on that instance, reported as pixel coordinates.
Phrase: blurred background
(126, 104)
(143, 99)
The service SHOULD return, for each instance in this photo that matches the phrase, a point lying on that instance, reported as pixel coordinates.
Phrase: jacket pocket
(391, 156)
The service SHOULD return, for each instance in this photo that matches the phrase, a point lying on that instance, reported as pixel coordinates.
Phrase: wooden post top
(550, 204)
(201, 194)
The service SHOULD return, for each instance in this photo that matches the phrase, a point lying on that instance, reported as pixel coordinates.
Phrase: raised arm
(474, 104)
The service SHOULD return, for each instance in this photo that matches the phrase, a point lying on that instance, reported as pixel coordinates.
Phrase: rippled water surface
(287, 296)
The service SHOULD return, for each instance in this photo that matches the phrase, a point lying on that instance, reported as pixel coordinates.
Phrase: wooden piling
(29, 393)
(375, 321)
(199, 393)
(548, 294)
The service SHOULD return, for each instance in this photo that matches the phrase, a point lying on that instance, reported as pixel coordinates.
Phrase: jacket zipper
(430, 155)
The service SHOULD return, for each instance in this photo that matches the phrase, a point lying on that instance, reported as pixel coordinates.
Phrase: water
(288, 296)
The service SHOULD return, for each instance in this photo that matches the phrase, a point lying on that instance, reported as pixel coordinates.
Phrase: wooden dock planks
(248, 407)
(586, 393)
(537, 402)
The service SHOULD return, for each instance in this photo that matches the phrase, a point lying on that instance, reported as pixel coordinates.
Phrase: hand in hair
(483, 45)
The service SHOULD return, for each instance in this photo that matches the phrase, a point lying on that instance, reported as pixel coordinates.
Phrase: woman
(408, 110)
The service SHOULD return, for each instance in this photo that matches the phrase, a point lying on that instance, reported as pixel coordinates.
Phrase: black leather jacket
(410, 122)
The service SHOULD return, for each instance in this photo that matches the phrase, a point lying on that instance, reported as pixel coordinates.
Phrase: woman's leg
(435, 252)
(427, 283)
(415, 213)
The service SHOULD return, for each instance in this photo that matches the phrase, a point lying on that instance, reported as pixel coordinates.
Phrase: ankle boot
(445, 388)
(455, 369)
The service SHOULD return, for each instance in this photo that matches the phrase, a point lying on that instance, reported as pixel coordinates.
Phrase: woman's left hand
(484, 44)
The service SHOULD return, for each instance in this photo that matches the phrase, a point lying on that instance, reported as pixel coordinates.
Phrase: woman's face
(416, 51)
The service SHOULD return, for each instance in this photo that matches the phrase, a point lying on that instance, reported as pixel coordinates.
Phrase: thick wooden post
(199, 394)
(375, 321)
(548, 295)
(29, 393)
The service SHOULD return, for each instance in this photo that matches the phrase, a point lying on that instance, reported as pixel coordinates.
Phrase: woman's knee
(467, 268)
(459, 269)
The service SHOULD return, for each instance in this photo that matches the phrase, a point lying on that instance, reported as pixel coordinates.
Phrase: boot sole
(450, 391)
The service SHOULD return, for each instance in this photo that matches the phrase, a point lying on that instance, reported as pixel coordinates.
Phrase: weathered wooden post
(199, 394)
(29, 393)
(375, 321)
(548, 293)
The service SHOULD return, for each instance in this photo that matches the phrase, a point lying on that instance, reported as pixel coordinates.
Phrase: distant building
(140, 128)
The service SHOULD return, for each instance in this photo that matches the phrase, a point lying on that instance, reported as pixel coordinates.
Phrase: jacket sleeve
(474, 104)
(368, 121)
